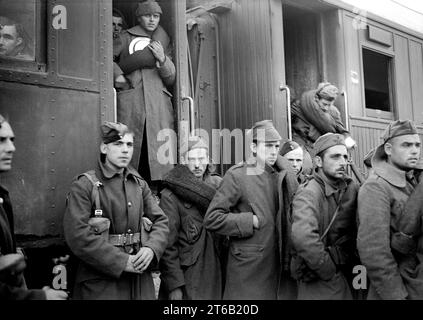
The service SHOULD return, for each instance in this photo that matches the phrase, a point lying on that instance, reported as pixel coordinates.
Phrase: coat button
(129, 204)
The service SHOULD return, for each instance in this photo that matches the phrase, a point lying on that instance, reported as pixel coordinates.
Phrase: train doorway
(156, 110)
(302, 49)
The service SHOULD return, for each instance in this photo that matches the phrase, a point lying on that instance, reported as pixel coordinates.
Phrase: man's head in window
(12, 39)
(326, 94)
(148, 15)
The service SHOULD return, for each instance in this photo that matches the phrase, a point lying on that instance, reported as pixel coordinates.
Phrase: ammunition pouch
(100, 226)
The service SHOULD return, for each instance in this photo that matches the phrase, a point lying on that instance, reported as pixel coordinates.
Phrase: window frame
(378, 113)
(39, 64)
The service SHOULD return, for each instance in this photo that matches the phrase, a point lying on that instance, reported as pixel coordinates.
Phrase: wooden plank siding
(249, 80)
(407, 81)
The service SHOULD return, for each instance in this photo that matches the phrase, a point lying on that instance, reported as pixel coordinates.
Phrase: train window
(17, 30)
(377, 84)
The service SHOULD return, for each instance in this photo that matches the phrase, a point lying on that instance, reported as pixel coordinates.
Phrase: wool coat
(125, 198)
(191, 260)
(147, 107)
(314, 207)
(257, 257)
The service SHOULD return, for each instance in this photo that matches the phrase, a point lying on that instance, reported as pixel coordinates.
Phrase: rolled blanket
(187, 187)
(144, 58)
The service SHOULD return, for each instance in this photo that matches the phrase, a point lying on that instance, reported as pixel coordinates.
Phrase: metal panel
(416, 63)
(402, 79)
(56, 139)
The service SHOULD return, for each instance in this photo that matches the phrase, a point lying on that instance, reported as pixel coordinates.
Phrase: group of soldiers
(287, 223)
(255, 234)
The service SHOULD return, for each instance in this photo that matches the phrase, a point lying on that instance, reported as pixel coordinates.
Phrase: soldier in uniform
(12, 264)
(251, 207)
(293, 152)
(324, 224)
(106, 233)
(383, 220)
(316, 115)
(190, 266)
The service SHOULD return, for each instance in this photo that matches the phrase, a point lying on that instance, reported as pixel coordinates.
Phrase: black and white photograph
(225, 153)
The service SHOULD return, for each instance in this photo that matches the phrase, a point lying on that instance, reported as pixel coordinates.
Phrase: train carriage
(237, 61)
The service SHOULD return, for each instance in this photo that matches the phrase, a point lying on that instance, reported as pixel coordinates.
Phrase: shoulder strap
(95, 196)
(333, 218)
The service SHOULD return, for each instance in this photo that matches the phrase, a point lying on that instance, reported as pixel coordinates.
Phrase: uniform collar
(253, 163)
(110, 173)
(387, 171)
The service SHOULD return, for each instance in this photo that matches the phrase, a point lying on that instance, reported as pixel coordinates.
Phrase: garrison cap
(288, 147)
(197, 143)
(111, 131)
(327, 141)
(148, 7)
(398, 128)
(265, 130)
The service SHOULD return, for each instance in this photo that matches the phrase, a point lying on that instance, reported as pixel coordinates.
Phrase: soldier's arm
(157, 239)
(88, 246)
(373, 241)
(305, 234)
(219, 217)
(167, 71)
(8, 292)
(171, 271)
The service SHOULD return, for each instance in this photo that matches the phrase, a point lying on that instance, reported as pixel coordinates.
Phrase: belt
(124, 239)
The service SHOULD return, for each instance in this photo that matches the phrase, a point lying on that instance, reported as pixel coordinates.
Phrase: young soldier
(381, 203)
(293, 152)
(252, 208)
(114, 255)
(324, 224)
(190, 266)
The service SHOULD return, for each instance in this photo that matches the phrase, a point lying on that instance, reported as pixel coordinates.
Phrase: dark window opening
(377, 84)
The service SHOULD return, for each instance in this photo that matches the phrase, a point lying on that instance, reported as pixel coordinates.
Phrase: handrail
(347, 116)
(191, 114)
(288, 103)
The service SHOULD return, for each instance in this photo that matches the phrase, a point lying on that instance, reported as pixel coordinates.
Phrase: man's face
(149, 22)
(9, 40)
(117, 26)
(197, 160)
(404, 151)
(334, 162)
(119, 153)
(295, 158)
(325, 104)
(267, 152)
(7, 147)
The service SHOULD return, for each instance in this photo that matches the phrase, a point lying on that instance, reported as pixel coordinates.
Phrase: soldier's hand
(130, 265)
(157, 51)
(255, 222)
(176, 294)
(52, 294)
(143, 259)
